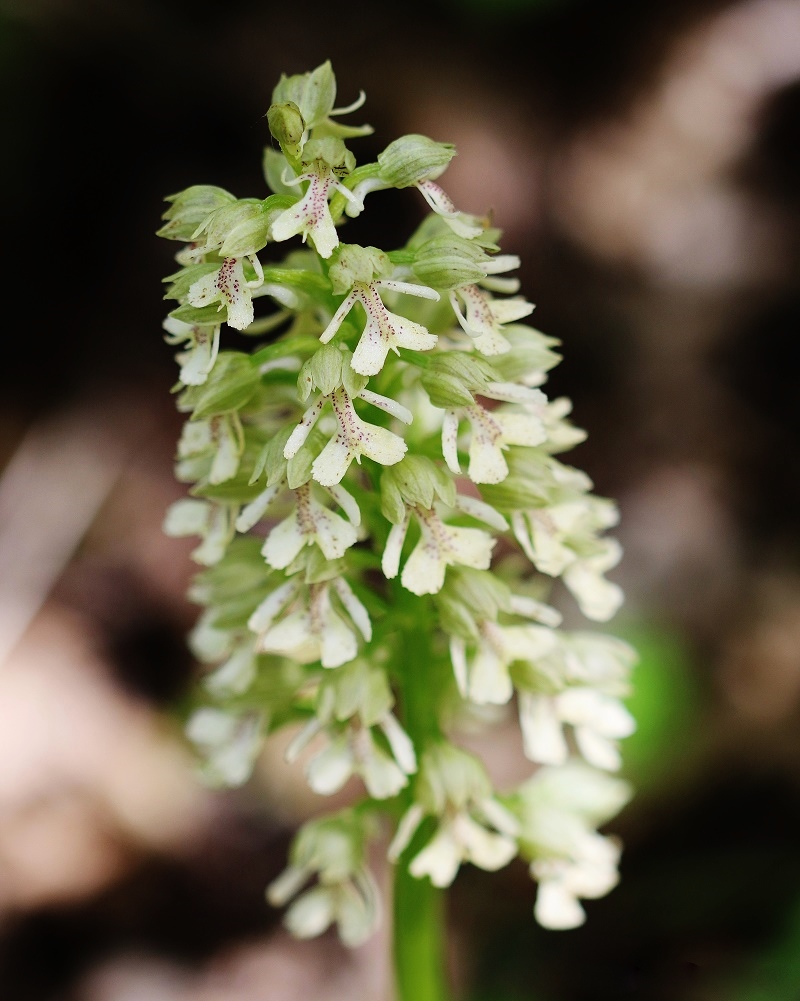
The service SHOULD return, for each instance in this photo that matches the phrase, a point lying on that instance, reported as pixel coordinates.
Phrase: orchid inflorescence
(380, 507)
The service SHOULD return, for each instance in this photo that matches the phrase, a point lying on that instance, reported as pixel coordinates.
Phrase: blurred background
(644, 161)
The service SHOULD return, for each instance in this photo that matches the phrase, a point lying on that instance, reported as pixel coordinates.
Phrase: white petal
(312, 913)
(282, 889)
(346, 502)
(556, 908)
(521, 429)
(355, 608)
(458, 657)
(482, 511)
(388, 405)
(390, 562)
(187, 517)
(235, 675)
(332, 462)
(370, 354)
(422, 291)
(262, 617)
(450, 441)
(283, 543)
(382, 775)
(598, 598)
(543, 737)
(328, 771)
(383, 446)
(597, 749)
(298, 437)
(489, 680)
(483, 848)
(407, 334)
(334, 534)
(401, 744)
(439, 860)
(338, 642)
(324, 234)
(472, 547)
(254, 511)
(424, 570)
(338, 317)
(406, 830)
(293, 638)
(486, 461)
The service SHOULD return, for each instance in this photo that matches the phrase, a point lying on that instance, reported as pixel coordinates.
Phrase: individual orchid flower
(483, 317)
(485, 678)
(598, 721)
(353, 439)
(230, 744)
(309, 523)
(472, 825)
(214, 522)
(331, 849)
(200, 353)
(492, 432)
(311, 215)
(229, 287)
(440, 545)
(384, 330)
(352, 750)
(591, 873)
(558, 810)
(316, 632)
(562, 539)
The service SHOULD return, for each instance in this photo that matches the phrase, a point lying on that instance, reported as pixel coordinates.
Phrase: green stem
(419, 919)
(418, 937)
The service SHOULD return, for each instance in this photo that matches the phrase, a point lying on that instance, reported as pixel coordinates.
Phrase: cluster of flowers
(380, 474)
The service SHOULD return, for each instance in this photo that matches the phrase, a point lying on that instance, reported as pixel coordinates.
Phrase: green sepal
(445, 391)
(331, 151)
(414, 158)
(449, 262)
(318, 568)
(451, 379)
(190, 208)
(270, 460)
(352, 381)
(531, 351)
(480, 590)
(455, 618)
(312, 93)
(392, 505)
(201, 316)
(237, 490)
(183, 280)
(274, 163)
(418, 480)
(326, 367)
(231, 383)
(298, 468)
(310, 282)
(350, 263)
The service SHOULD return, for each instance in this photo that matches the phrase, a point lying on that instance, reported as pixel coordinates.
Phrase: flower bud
(287, 125)
(449, 262)
(351, 263)
(190, 208)
(414, 158)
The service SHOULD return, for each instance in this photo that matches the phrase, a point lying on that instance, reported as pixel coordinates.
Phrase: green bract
(376, 499)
